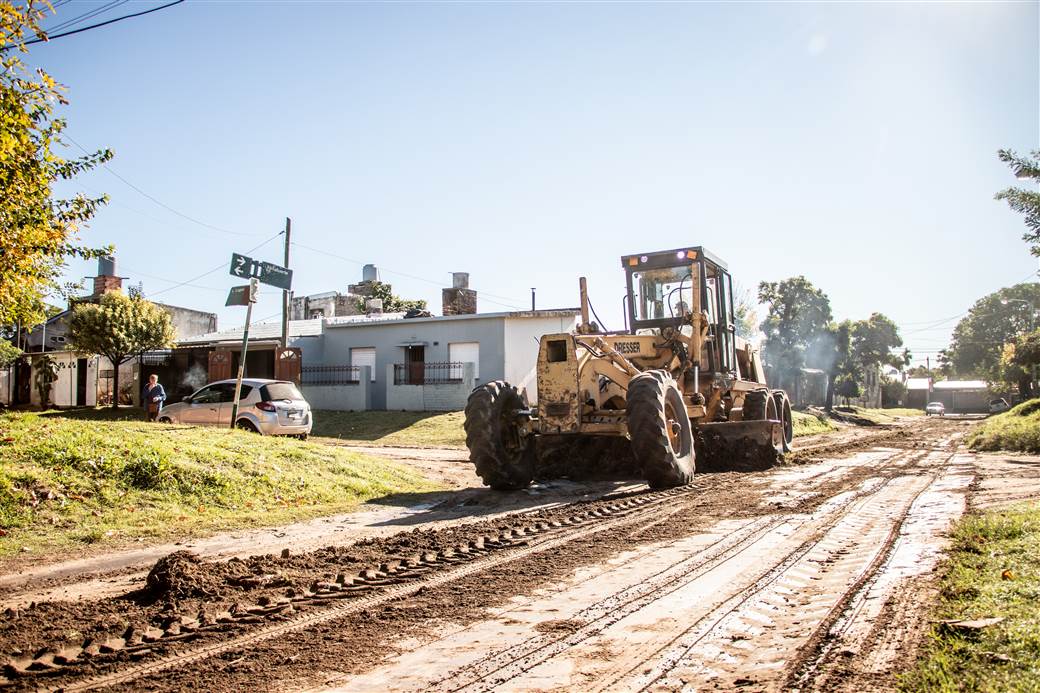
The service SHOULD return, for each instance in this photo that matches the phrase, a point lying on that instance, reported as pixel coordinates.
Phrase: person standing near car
(153, 397)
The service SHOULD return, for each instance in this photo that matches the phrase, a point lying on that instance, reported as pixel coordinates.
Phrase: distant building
(918, 393)
(962, 396)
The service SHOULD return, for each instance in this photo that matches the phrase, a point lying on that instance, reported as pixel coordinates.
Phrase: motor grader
(677, 383)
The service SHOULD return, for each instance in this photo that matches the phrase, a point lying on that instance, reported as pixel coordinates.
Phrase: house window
(317, 313)
(466, 352)
(364, 356)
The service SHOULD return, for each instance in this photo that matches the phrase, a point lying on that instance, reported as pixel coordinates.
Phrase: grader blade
(739, 446)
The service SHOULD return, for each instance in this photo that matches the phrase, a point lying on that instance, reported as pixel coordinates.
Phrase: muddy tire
(662, 437)
(783, 411)
(503, 459)
(756, 405)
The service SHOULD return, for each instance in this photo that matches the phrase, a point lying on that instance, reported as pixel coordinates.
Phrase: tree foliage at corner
(118, 328)
(1025, 202)
(746, 317)
(9, 353)
(874, 341)
(37, 232)
(995, 320)
(391, 303)
(798, 314)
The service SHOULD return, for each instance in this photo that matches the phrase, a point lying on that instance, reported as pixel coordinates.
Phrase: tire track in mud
(507, 663)
(531, 537)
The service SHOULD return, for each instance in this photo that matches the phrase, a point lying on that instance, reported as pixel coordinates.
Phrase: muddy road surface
(809, 576)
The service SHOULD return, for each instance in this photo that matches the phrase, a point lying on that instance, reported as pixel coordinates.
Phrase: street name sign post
(249, 294)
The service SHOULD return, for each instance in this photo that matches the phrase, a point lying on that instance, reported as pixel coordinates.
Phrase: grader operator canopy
(676, 385)
(661, 293)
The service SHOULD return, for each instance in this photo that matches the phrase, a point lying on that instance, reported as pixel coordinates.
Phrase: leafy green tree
(892, 392)
(995, 320)
(1025, 202)
(118, 328)
(798, 314)
(9, 353)
(847, 388)
(37, 233)
(831, 352)
(873, 342)
(391, 303)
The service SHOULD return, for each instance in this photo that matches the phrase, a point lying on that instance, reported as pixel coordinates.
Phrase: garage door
(364, 356)
(466, 352)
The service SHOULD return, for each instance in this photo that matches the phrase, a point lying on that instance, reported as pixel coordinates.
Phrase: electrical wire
(93, 26)
(86, 15)
(157, 201)
(219, 267)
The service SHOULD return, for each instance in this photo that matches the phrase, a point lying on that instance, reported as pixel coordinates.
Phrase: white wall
(521, 348)
(352, 397)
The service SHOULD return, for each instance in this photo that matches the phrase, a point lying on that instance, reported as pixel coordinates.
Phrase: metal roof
(918, 383)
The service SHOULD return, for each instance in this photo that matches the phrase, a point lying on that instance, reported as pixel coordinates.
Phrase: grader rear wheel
(783, 410)
(662, 437)
(504, 459)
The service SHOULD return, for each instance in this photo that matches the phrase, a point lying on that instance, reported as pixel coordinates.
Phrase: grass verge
(88, 476)
(808, 425)
(1017, 429)
(392, 427)
(993, 570)
(878, 416)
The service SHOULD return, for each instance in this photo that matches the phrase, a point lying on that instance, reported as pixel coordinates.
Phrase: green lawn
(993, 571)
(878, 416)
(87, 476)
(410, 428)
(1017, 429)
(807, 424)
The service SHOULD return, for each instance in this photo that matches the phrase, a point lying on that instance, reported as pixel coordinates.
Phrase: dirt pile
(181, 575)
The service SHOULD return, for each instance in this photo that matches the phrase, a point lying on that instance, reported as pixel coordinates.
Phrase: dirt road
(809, 576)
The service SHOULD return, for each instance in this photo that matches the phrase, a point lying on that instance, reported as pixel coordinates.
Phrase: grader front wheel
(504, 459)
(662, 437)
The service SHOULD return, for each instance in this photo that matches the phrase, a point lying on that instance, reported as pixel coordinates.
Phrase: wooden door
(219, 365)
(287, 364)
(416, 365)
(81, 382)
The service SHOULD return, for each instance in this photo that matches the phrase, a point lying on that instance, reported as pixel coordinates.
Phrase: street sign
(267, 272)
(240, 296)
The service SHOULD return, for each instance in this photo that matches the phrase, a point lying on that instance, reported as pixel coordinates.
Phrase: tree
(831, 352)
(391, 303)
(892, 392)
(1025, 202)
(746, 315)
(118, 328)
(847, 388)
(873, 341)
(993, 321)
(9, 353)
(37, 233)
(1020, 358)
(798, 314)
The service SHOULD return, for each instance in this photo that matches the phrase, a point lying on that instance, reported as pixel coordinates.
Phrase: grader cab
(678, 384)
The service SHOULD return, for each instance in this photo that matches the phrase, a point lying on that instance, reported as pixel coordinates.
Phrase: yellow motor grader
(677, 383)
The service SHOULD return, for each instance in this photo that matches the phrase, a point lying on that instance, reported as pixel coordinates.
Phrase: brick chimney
(106, 280)
(459, 299)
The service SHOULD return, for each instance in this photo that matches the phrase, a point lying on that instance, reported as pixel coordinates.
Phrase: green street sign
(267, 272)
(242, 295)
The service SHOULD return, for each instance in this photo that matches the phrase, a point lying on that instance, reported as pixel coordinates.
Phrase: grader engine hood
(558, 401)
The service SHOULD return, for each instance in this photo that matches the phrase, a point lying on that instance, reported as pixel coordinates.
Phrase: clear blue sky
(530, 143)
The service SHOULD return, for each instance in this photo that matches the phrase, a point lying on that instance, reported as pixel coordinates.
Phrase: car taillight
(265, 406)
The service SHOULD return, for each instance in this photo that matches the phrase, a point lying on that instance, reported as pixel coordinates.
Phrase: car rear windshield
(276, 391)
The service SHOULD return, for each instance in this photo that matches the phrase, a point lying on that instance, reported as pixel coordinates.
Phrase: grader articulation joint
(678, 384)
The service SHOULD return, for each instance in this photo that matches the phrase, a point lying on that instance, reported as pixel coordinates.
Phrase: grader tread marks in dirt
(490, 411)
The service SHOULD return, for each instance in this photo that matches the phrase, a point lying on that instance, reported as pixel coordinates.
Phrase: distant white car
(937, 408)
(269, 407)
(998, 405)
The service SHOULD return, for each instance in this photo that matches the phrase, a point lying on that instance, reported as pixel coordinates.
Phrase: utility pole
(285, 292)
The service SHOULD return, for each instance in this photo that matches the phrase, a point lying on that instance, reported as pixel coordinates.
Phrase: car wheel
(166, 420)
(302, 436)
(246, 425)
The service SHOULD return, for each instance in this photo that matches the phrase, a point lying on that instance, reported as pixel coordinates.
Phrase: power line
(94, 26)
(157, 201)
(219, 267)
(86, 15)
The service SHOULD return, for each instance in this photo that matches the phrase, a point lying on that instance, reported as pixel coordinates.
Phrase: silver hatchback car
(269, 407)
